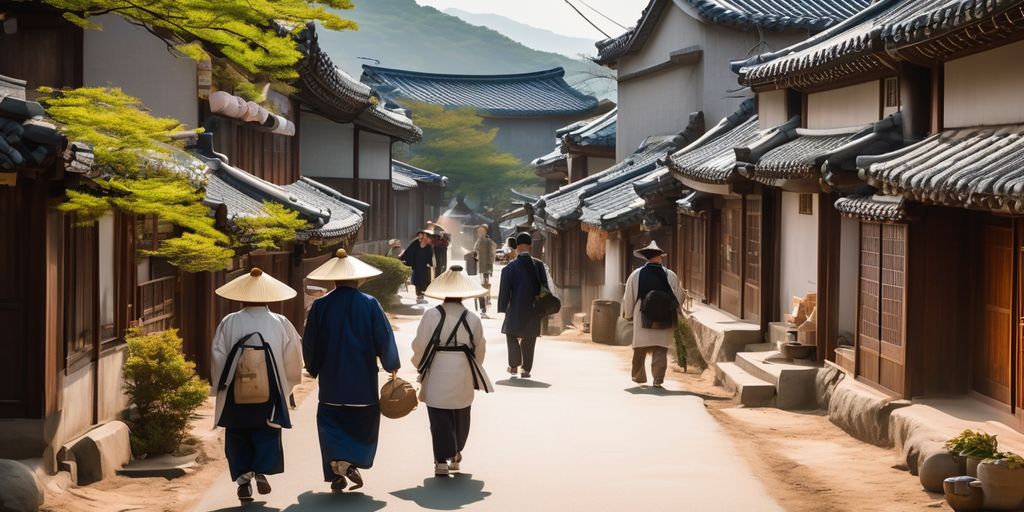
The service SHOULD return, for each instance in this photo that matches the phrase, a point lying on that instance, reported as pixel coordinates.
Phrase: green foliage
(269, 231)
(1009, 459)
(164, 390)
(973, 444)
(385, 286)
(456, 143)
(194, 253)
(243, 31)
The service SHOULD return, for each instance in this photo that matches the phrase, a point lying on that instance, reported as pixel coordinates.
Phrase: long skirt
(255, 450)
(347, 434)
(449, 430)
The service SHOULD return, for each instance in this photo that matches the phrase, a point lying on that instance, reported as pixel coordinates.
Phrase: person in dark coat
(346, 334)
(439, 240)
(521, 280)
(420, 256)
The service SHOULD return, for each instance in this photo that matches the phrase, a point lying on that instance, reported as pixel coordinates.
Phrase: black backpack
(659, 309)
(544, 304)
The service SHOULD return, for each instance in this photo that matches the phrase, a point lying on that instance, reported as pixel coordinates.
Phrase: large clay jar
(1003, 487)
(963, 493)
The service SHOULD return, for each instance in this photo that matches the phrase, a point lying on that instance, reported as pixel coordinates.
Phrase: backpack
(544, 304)
(659, 309)
(252, 377)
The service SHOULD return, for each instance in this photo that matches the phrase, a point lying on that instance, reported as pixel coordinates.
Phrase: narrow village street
(579, 436)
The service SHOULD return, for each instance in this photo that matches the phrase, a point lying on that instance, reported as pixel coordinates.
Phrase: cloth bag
(397, 398)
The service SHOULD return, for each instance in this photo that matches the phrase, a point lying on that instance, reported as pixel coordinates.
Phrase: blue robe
(519, 287)
(420, 259)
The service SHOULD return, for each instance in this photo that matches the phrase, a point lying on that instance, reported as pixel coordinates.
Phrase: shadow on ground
(645, 390)
(317, 502)
(523, 383)
(445, 493)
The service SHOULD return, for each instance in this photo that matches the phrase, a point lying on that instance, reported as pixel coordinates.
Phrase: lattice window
(806, 204)
(891, 91)
(893, 283)
(752, 270)
(870, 282)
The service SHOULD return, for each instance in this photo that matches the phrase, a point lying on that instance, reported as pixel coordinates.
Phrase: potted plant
(973, 447)
(1002, 481)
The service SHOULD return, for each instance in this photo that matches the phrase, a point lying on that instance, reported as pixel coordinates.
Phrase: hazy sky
(555, 15)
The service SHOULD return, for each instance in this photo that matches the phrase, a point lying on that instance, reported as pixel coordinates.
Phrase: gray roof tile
(875, 208)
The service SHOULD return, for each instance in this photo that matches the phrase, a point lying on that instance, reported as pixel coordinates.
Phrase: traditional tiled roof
(565, 204)
(877, 208)
(711, 159)
(888, 31)
(28, 141)
(553, 165)
(694, 202)
(541, 93)
(416, 175)
(744, 14)
(595, 133)
(624, 205)
(969, 167)
(402, 182)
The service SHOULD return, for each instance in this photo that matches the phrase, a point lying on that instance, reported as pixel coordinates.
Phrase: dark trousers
(440, 260)
(482, 302)
(520, 352)
(659, 364)
(449, 429)
(256, 450)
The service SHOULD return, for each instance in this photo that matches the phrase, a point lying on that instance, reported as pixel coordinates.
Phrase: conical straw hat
(343, 268)
(649, 252)
(454, 284)
(256, 286)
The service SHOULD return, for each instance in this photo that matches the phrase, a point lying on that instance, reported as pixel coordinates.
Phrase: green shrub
(973, 444)
(384, 287)
(164, 390)
(687, 353)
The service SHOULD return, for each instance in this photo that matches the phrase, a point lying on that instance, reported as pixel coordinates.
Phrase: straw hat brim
(256, 289)
(454, 285)
(348, 268)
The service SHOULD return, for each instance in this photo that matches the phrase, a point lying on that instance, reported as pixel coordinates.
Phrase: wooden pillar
(829, 239)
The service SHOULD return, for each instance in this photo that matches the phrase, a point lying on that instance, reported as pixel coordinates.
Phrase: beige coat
(631, 311)
(278, 332)
(448, 383)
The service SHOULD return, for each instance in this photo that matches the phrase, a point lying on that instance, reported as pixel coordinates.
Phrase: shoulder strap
(435, 341)
(538, 269)
(461, 323)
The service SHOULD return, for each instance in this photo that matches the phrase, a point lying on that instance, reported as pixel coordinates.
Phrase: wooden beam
(678, 58)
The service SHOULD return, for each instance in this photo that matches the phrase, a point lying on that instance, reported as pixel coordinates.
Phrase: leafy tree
(244, 31)
(456, 143)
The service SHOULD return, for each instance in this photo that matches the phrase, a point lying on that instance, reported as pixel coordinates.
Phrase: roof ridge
(556, 72)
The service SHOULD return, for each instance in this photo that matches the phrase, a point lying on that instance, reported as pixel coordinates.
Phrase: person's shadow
(445, 493)
(642, 390)
(522, 383)
(310, 501)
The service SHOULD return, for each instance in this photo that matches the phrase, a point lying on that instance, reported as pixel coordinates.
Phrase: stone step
(794, 381)
(760, 347)
(750, 390)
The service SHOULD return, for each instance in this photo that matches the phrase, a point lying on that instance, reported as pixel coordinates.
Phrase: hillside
(403, 34)
(530, 36)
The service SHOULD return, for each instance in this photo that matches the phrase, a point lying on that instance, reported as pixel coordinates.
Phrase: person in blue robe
(346, 334)
(520, 284)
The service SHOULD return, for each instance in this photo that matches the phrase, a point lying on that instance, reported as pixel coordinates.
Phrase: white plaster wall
(799, 251)
(856, 105)
(655, 105)
(612, 288)
(771, 109)
(325, 147)
(374, 156)
(995, 99)
(112, 400)
(76, 405)
(849, 262)
(123, 55)
(677, 30)
(528, 138)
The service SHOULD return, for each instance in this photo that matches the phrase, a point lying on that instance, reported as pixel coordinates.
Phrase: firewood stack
(804, 316)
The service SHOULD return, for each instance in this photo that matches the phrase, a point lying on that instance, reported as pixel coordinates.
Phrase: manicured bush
(385, 286)
(163, 388)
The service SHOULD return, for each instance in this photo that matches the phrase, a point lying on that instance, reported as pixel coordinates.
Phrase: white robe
(631, 311)
(448, 383)
(278, 332)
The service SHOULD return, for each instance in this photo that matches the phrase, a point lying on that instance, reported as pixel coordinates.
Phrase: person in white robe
(647, 338)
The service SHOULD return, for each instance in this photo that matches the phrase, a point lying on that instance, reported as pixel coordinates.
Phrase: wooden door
(752, 261)
(995, 300)
(868, 330)
(731, 256)
(881, 336)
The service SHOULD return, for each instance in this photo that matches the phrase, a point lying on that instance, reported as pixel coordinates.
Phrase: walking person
(420, 256)
(439, 240)
(521, 283)
(510, 249)
(652, 302)
(346, 334)
(484, 250)
(256, 360)
(448, 352)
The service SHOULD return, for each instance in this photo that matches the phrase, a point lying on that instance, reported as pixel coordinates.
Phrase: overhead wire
(603, 15)
(584, 16)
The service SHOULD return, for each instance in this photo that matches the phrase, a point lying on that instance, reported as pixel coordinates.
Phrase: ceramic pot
(1003, 487)
(963, 493)
(972, 465)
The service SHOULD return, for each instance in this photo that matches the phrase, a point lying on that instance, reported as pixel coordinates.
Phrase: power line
(603, 15)
(584, 16)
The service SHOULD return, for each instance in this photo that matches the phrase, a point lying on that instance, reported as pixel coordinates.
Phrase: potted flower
(1002, 481)
(973, 447)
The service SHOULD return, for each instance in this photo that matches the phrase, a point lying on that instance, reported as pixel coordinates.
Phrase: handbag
(545, 303)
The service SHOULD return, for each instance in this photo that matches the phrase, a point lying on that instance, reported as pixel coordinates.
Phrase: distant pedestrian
(420, 256)
(521, 283)
(439, 240)
(448, 352)
(257, 360)
(652, 302)
(346, 334)
(510, 249)
(483, 251)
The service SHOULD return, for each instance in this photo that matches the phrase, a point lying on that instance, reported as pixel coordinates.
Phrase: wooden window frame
(80, 272)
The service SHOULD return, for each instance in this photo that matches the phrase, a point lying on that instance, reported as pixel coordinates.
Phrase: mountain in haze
(530, 36)
(403, 34)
